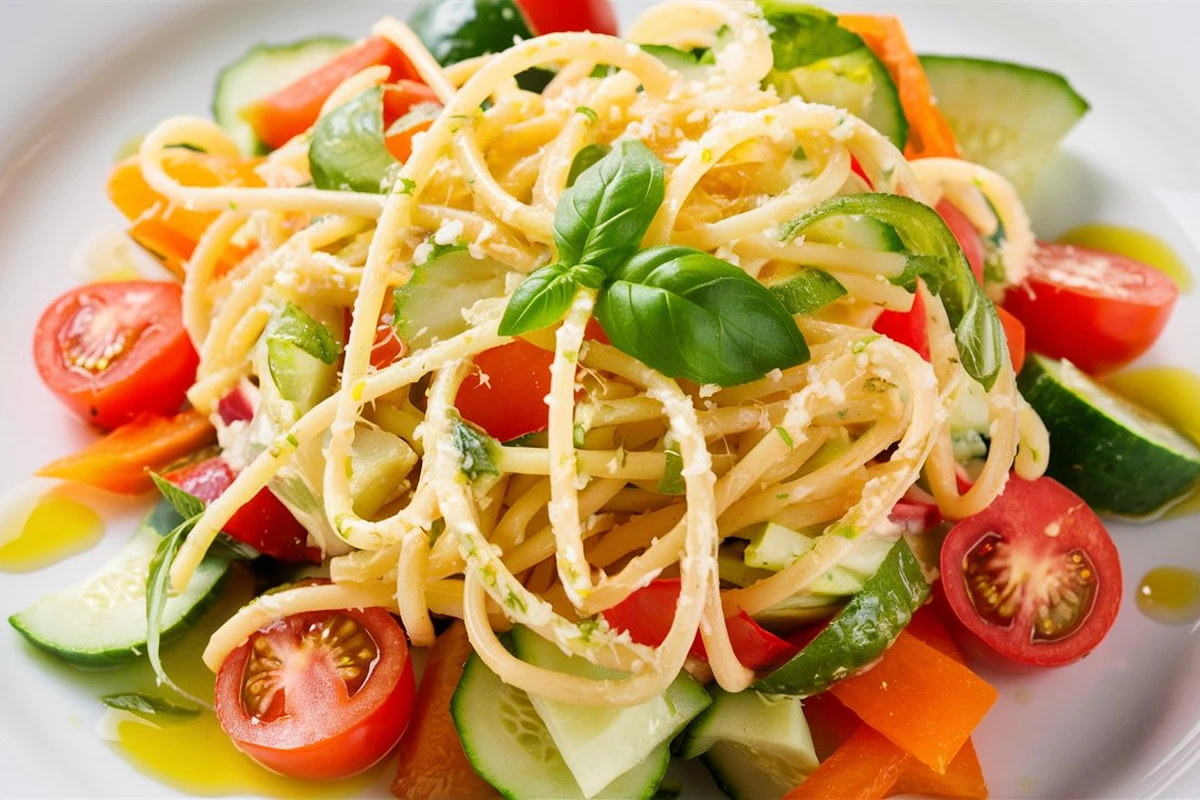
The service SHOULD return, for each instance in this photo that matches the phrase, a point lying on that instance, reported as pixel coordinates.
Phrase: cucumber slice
(861, 631)
(807, 290)
(970, 428)
(264, 69)
(773, 725)
(301, 357)
(746, 774)
(1115, 455)
(856, 230)
(430, 306)
(101, 621)
(732, 567)
(857, 82)
(1006, 116)
(775, 547)
(508, 745)
(599, 745)
(379, 463)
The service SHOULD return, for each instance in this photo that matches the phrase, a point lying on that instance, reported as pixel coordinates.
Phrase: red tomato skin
(556, 16)
(512, 401)
(264, 523)
(1090, 326)
(906, 327)
(1014, 335)
(400, 97)
(354, 745)
(1021, 514)
(151, 377)
(965, 233)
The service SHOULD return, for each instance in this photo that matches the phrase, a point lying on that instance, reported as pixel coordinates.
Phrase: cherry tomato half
(111, 351)
(510, 402)
(318, 696)
(555, 16)
(647, 615)
(1098, 310)
(264, 523)
(1034, 577)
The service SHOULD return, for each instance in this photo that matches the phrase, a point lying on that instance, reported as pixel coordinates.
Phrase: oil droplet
(1135, 244)
(1023, 697)
(40, 527)
(105, 255)
(1170, 595)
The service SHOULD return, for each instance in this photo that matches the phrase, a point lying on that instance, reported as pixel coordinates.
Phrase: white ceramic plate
(81, 78)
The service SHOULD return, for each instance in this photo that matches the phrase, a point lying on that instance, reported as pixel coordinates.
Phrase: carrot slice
(432, 763)
(864, 768)
(119, 461)
(168, 231)
(921, 700)
(928, 134)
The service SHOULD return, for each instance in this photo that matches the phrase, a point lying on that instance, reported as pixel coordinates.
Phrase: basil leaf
(348, 153)
(602, 218)
(803, 34)
(541, 300)
(938, 260)
(475, 448)
(186, 504)
(809, 290)
(147, 704)
(584, 159)
(455, 30)
(691, 315)
(158, 591)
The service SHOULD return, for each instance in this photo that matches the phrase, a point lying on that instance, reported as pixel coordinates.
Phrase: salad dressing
(1135, 244)
(40, 528)
(1170, 595)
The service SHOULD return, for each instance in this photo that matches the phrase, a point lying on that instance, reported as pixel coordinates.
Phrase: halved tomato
(1034, 577)
(318, 696)
(264, 522)
(1097, 310)
(112, 351)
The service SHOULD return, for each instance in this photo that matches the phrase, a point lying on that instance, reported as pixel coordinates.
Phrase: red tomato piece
(1014, 335)
(506, 394)
(966, 234)
(916, 516)
(264, 523)
(292, 110)
(555, 16)
(402, 96)
(1034, 578)
(1097, 310)
(112, 351)
(318, 696)
(906, 327)
(647, 615)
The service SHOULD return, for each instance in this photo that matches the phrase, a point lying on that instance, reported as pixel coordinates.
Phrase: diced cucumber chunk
(101, 621)
(807, 290)
(775, 547)
(379, 463)
(507, 743)
(1115, 455)
(1008, 117)
(746, 774)
(969, 423)
(732, 567)
(624, 736)
(773, 725)
(263, 70)
(856, 230)
(430, 306)
(301, 356)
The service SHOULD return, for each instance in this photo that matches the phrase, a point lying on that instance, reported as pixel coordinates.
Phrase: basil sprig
(684, 312)
(691, 315)
(936, 258)
(348, 152)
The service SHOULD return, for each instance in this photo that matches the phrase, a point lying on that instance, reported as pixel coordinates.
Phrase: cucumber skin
(1100, 469)
(115, 657)
(861, 631)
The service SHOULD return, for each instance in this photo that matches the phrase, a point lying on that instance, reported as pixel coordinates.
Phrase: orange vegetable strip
(929, 629)
(432, 764)
(963, 778)
(119, 461)
(168, 231)
(924, 702)
(864, 768)
(1014, 334)
(928, 134)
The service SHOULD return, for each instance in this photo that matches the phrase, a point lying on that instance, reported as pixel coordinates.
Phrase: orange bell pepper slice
(291, 111)
(168, 231)
(928, 133)
(1014, 334)
(963, 778)
(120, 461)
(864, 768)
(432, 764)
(923, 701)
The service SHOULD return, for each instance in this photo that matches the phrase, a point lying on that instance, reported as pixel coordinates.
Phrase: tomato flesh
(318, 696)
(1034, 577)
(264, 522)
(555, 16)
(1098, 310)
(906, 327)
(966, 235)
(112, 351)
(506, 394)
